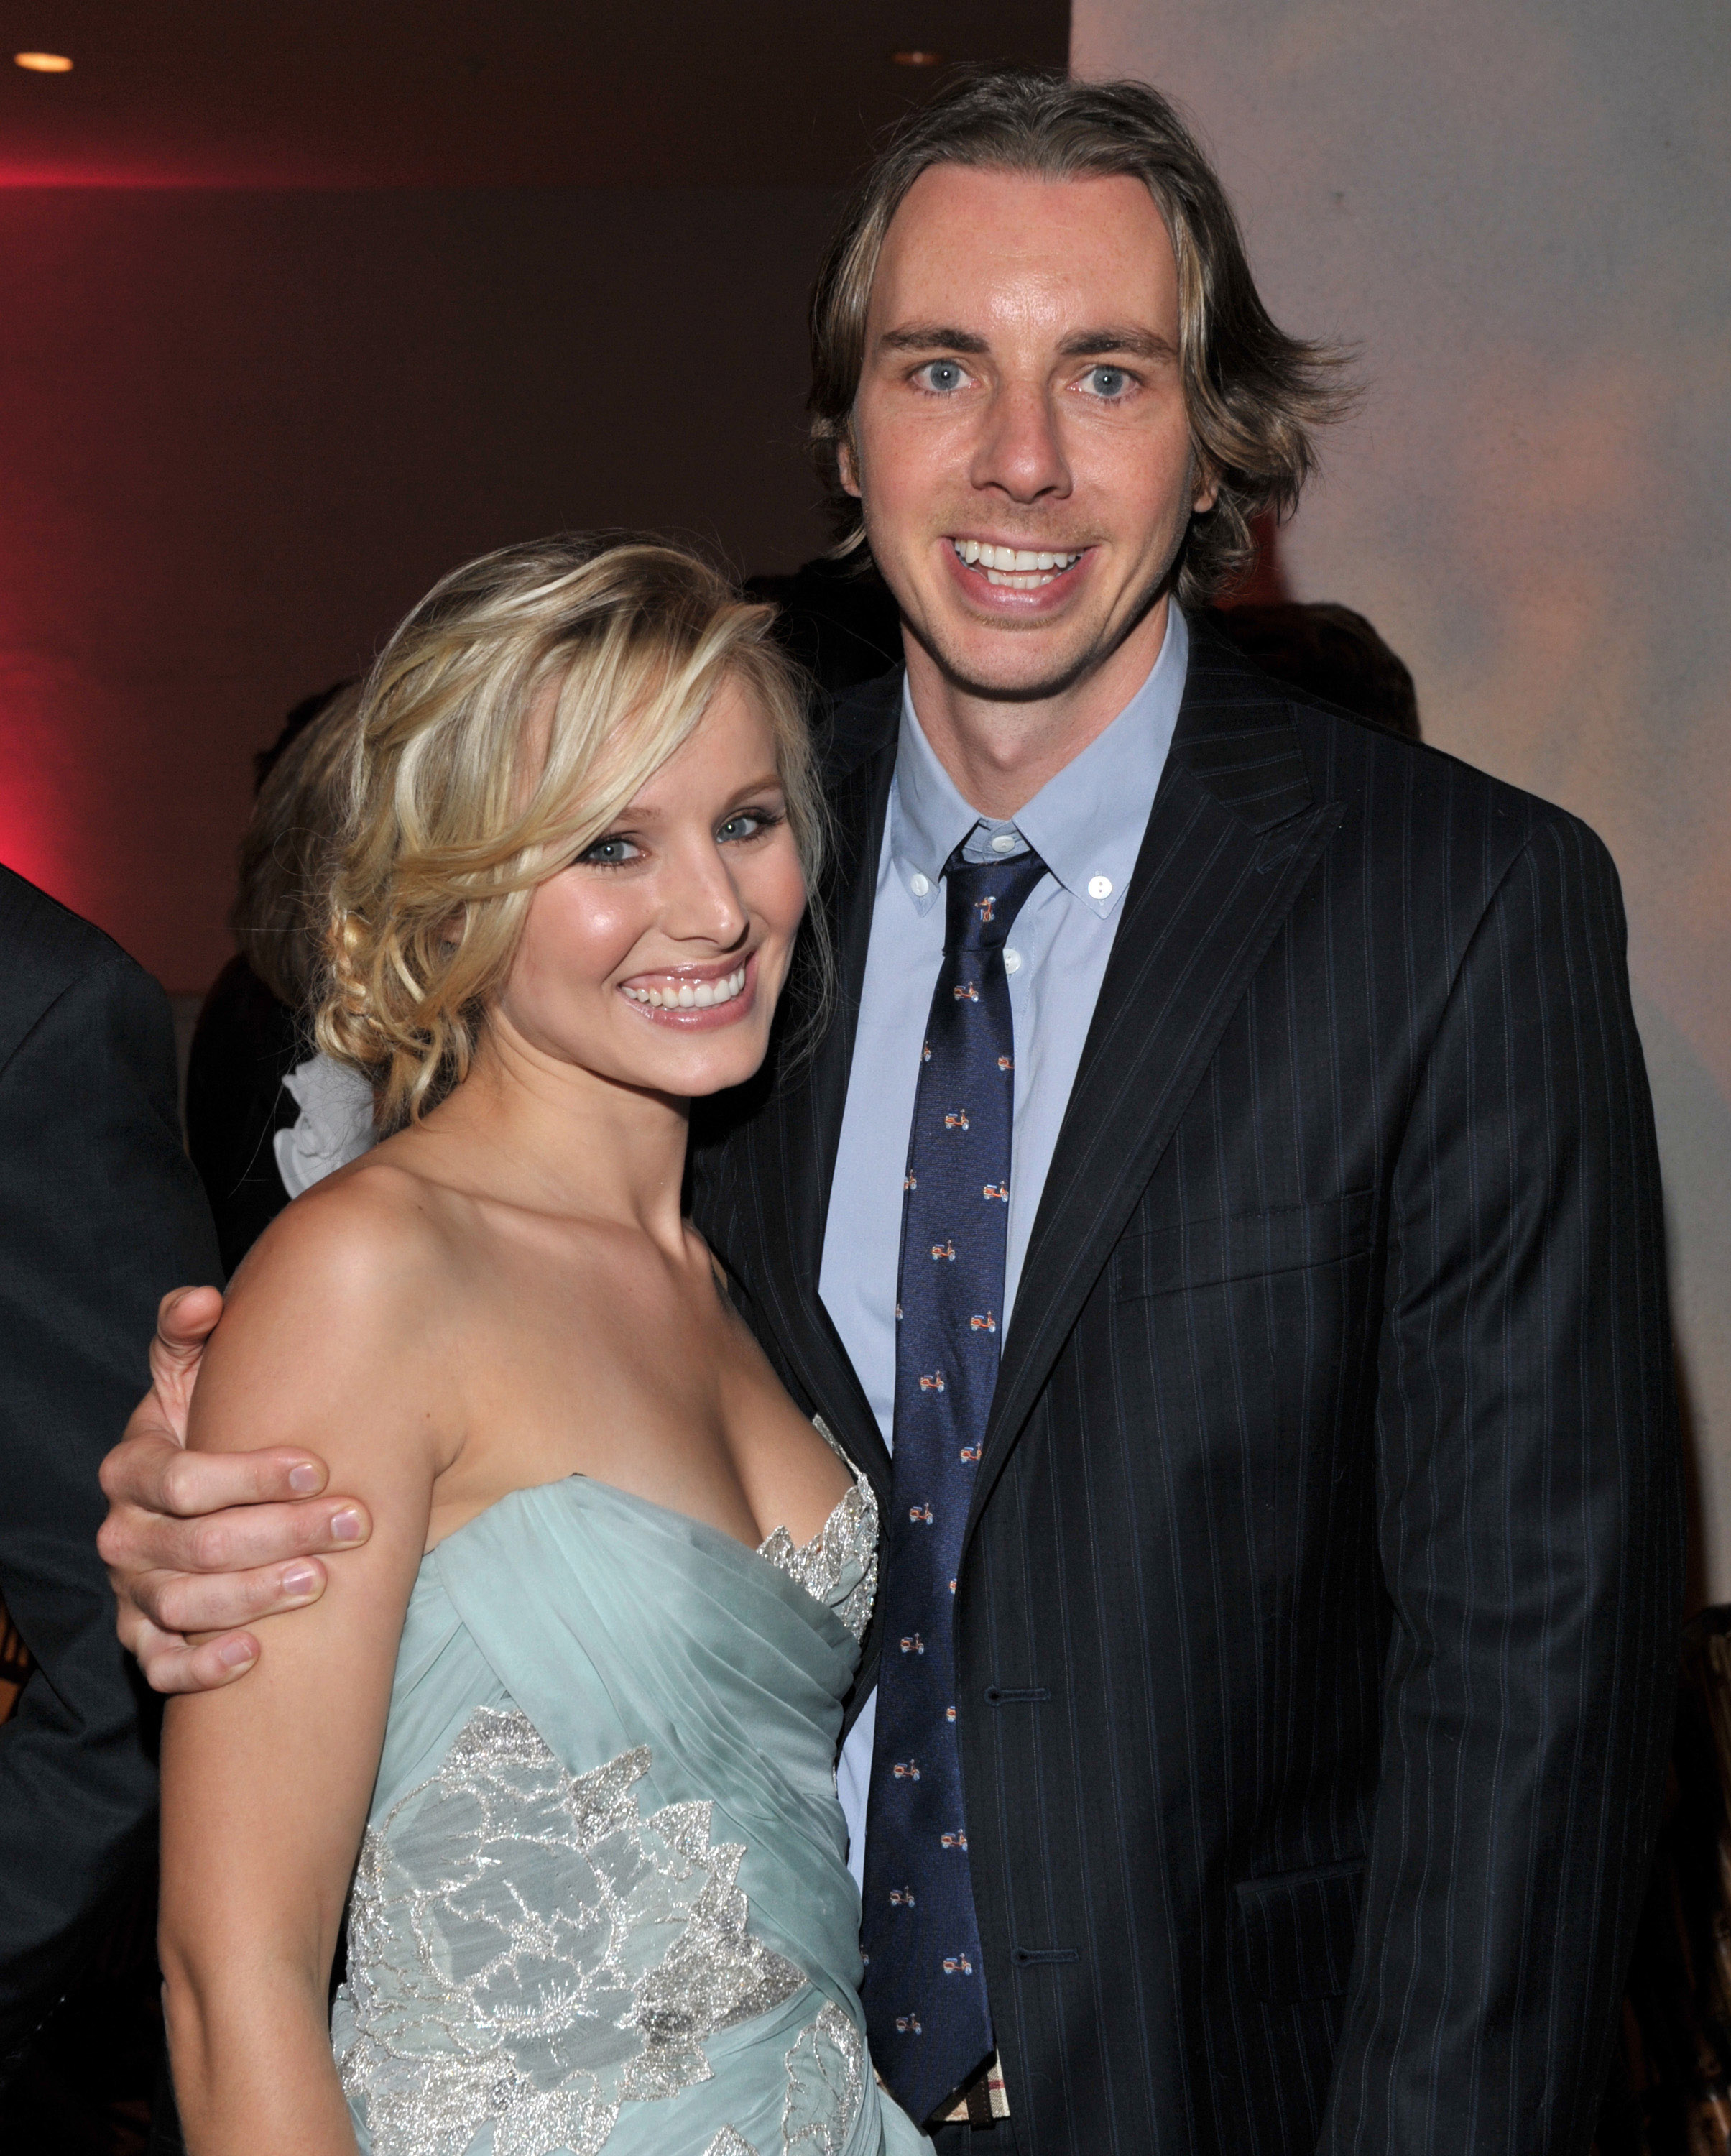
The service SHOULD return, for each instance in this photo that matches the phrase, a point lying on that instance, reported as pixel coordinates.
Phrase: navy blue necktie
(924, 1987)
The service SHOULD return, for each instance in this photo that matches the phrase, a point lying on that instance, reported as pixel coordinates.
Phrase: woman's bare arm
(204, 1543)
(331, 1329)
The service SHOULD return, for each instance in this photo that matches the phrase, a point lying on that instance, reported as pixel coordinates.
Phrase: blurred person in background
(837, 619)
(266, 1116)
(1329, 652)
(101, 1214)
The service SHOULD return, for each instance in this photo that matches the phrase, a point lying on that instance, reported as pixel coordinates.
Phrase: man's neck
(1000, 753)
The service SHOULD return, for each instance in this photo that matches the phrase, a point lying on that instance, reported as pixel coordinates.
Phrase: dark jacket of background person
(101, 1215)
(252, 1030)
(1318, 1617)
(836, 619)
(246, 1042)
(1333, 654)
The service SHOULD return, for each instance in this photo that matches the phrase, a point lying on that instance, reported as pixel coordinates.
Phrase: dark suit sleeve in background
(100, 1213)
(1531, 1532)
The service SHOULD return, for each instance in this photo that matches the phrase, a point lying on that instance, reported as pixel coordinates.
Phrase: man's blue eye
(1108, 381)
(944, 374)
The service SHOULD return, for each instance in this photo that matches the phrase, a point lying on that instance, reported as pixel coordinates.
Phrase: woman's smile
(695, 998)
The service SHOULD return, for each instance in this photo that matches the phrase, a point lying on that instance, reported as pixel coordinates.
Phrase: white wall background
(1520, 211)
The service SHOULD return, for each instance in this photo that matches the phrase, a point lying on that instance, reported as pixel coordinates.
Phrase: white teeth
(703, 995)
(1014, 561)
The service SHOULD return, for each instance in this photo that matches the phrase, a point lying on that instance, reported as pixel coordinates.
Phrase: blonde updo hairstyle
(502, 730)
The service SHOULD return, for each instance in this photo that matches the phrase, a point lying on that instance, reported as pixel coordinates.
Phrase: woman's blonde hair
(504, 727)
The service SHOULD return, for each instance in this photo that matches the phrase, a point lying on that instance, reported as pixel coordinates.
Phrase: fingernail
(299, 1579)
(236, 1653)
(346, 1526)
(304, 1478)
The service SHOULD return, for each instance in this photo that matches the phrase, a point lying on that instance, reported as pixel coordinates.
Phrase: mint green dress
(603, 1901)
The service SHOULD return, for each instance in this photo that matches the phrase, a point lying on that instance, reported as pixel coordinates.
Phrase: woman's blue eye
(608, 854)
(748, 823)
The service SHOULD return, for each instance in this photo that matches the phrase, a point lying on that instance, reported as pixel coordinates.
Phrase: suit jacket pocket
(1297, 1932)
(1243, 1245)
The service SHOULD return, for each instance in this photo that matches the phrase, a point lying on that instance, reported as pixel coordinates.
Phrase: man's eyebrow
(1085, 344)
(932, 336)
(1139, 344)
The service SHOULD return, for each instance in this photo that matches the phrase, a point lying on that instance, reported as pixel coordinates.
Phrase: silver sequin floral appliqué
(839, 1565)
(526, 1949)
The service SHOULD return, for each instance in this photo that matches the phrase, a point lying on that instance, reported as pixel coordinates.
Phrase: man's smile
(1000, 562)
(999, 566)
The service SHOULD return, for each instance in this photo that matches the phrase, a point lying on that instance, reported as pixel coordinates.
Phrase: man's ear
(1207, 484)
(847, 467)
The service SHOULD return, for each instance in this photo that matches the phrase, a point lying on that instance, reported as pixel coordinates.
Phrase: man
(1283, 1550)
(99, 1212)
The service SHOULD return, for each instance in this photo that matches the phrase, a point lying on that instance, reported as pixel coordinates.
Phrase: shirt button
(920, 885)
(1012, 960)
(1005, 842)
(1099, 886)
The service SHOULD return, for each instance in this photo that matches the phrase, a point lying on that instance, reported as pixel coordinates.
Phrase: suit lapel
(1233, 835)
(781, 1192)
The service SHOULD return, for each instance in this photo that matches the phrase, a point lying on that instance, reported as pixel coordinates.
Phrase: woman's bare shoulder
(341, 1300)
(374, 1230)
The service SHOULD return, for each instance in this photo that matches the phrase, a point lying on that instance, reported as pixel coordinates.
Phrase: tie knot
(983, 898)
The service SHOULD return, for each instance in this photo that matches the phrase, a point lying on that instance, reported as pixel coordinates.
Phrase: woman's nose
(704, 902)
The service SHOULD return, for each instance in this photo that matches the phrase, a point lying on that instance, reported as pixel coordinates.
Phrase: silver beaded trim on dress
(846, 1544)
(526, 1950)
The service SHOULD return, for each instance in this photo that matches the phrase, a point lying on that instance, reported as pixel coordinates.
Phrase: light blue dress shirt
(1087, 824)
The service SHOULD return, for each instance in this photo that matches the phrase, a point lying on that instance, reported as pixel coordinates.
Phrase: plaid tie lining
(983, 2100)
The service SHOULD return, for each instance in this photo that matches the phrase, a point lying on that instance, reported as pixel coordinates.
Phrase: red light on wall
(42, 63)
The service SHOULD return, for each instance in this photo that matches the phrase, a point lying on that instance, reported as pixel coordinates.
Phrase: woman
(576, 1704)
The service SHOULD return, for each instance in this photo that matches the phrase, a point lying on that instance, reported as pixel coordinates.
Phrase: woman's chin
(694, 1067)
(741, 1061)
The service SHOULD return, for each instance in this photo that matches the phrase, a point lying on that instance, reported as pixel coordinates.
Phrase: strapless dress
(604, 1901)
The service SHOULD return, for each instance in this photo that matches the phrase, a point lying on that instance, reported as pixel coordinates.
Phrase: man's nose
(1019, 450)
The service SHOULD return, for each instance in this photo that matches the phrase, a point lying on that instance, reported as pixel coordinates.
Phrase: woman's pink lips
(698, 1021)
(972, 582)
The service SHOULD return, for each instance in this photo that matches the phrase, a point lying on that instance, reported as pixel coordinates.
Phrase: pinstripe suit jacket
(1317, 1619)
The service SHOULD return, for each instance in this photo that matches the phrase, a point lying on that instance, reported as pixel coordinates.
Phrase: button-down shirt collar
(1086, 822)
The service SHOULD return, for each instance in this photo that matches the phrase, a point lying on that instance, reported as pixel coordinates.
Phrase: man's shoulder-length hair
(1255, 395)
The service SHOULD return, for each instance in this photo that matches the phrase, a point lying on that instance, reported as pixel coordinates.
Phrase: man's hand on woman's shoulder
(200, 1545)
